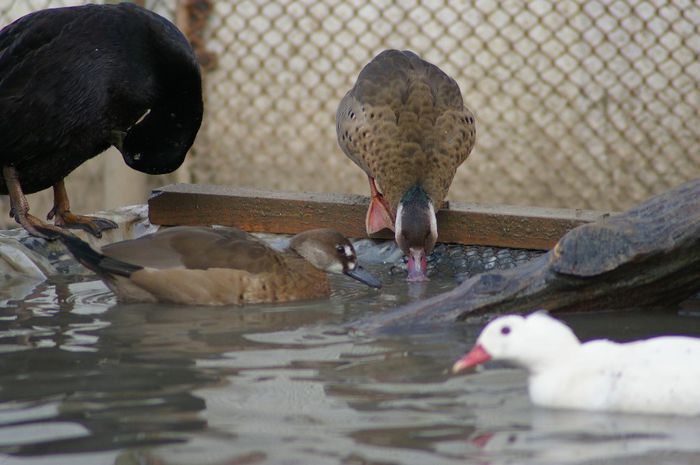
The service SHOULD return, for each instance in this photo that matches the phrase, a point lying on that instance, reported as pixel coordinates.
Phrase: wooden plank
(292, 212)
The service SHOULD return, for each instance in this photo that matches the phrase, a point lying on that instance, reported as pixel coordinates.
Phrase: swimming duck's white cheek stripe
(349, 256)
(335, 267)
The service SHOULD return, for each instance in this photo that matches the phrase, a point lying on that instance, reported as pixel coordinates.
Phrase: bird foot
(378, 216)
(35, 226)
(91, 224)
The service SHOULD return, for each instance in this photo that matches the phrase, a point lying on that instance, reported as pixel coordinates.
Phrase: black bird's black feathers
(72, 77)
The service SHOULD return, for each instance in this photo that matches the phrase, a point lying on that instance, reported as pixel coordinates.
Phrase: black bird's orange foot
(19, 208)
(92, 224)
(35, 226)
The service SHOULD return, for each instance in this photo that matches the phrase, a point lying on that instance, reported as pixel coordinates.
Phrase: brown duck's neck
(303, 280)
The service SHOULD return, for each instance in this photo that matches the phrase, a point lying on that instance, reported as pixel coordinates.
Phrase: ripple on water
(89, 297)
(56, 313)
(289, 383)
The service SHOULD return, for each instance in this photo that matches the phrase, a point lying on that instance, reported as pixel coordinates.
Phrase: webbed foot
(91, 224)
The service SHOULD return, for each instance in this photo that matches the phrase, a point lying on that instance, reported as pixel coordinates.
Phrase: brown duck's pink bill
(417, 266)
(475, 357)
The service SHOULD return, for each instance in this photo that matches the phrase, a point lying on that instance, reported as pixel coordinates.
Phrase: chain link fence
(589, 104)
(579, 104)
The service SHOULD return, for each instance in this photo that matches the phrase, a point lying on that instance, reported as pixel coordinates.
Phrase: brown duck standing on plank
(405, 124)
(219, 266)
(74, 81)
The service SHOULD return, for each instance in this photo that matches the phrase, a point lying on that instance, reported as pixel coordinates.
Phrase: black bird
(74, 81)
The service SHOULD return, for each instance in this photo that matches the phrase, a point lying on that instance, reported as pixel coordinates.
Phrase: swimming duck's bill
(476, 356)
(364, 277)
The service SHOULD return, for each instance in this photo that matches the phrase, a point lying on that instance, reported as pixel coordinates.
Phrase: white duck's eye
(505, 330)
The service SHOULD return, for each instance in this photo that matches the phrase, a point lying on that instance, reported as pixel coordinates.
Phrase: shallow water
(87, 380)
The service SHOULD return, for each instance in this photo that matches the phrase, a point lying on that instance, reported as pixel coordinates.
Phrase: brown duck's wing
(198, 248)
(367, 117)
(404, 122)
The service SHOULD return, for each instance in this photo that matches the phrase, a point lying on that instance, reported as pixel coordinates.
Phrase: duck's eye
(340, 249)
(505, 330)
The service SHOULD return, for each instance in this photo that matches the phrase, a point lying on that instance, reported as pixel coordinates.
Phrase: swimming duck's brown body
(222, 286)
(405, 124)
(206, 266)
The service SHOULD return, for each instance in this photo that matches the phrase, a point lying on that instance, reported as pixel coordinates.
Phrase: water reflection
(160, 384)
(92, 393)
(559, 437)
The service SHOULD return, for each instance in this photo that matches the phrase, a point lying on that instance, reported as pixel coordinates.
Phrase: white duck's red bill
(476, 356)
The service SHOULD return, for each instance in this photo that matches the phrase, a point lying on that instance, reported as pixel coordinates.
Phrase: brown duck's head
(416, 230)
(330, 251)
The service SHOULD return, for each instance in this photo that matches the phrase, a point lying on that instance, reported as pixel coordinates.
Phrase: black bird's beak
(364, 276)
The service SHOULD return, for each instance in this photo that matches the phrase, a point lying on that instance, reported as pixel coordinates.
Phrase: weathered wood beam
(292, 212)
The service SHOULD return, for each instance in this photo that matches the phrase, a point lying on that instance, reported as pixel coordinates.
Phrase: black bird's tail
(89, 257)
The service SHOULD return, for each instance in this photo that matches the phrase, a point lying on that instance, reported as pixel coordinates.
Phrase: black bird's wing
(72, 77)
(34, 66)
(24, 39)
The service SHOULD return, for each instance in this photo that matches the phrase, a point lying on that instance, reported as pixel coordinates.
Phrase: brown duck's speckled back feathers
(404, 123)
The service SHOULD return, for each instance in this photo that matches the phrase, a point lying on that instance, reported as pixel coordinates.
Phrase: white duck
(660, 375)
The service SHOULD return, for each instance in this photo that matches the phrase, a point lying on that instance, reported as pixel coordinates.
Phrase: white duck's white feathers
(660, 375)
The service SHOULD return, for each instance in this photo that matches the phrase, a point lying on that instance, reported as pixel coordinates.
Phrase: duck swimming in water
(658, 375)
(74, 81)
(405, 124)
(219, 266)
